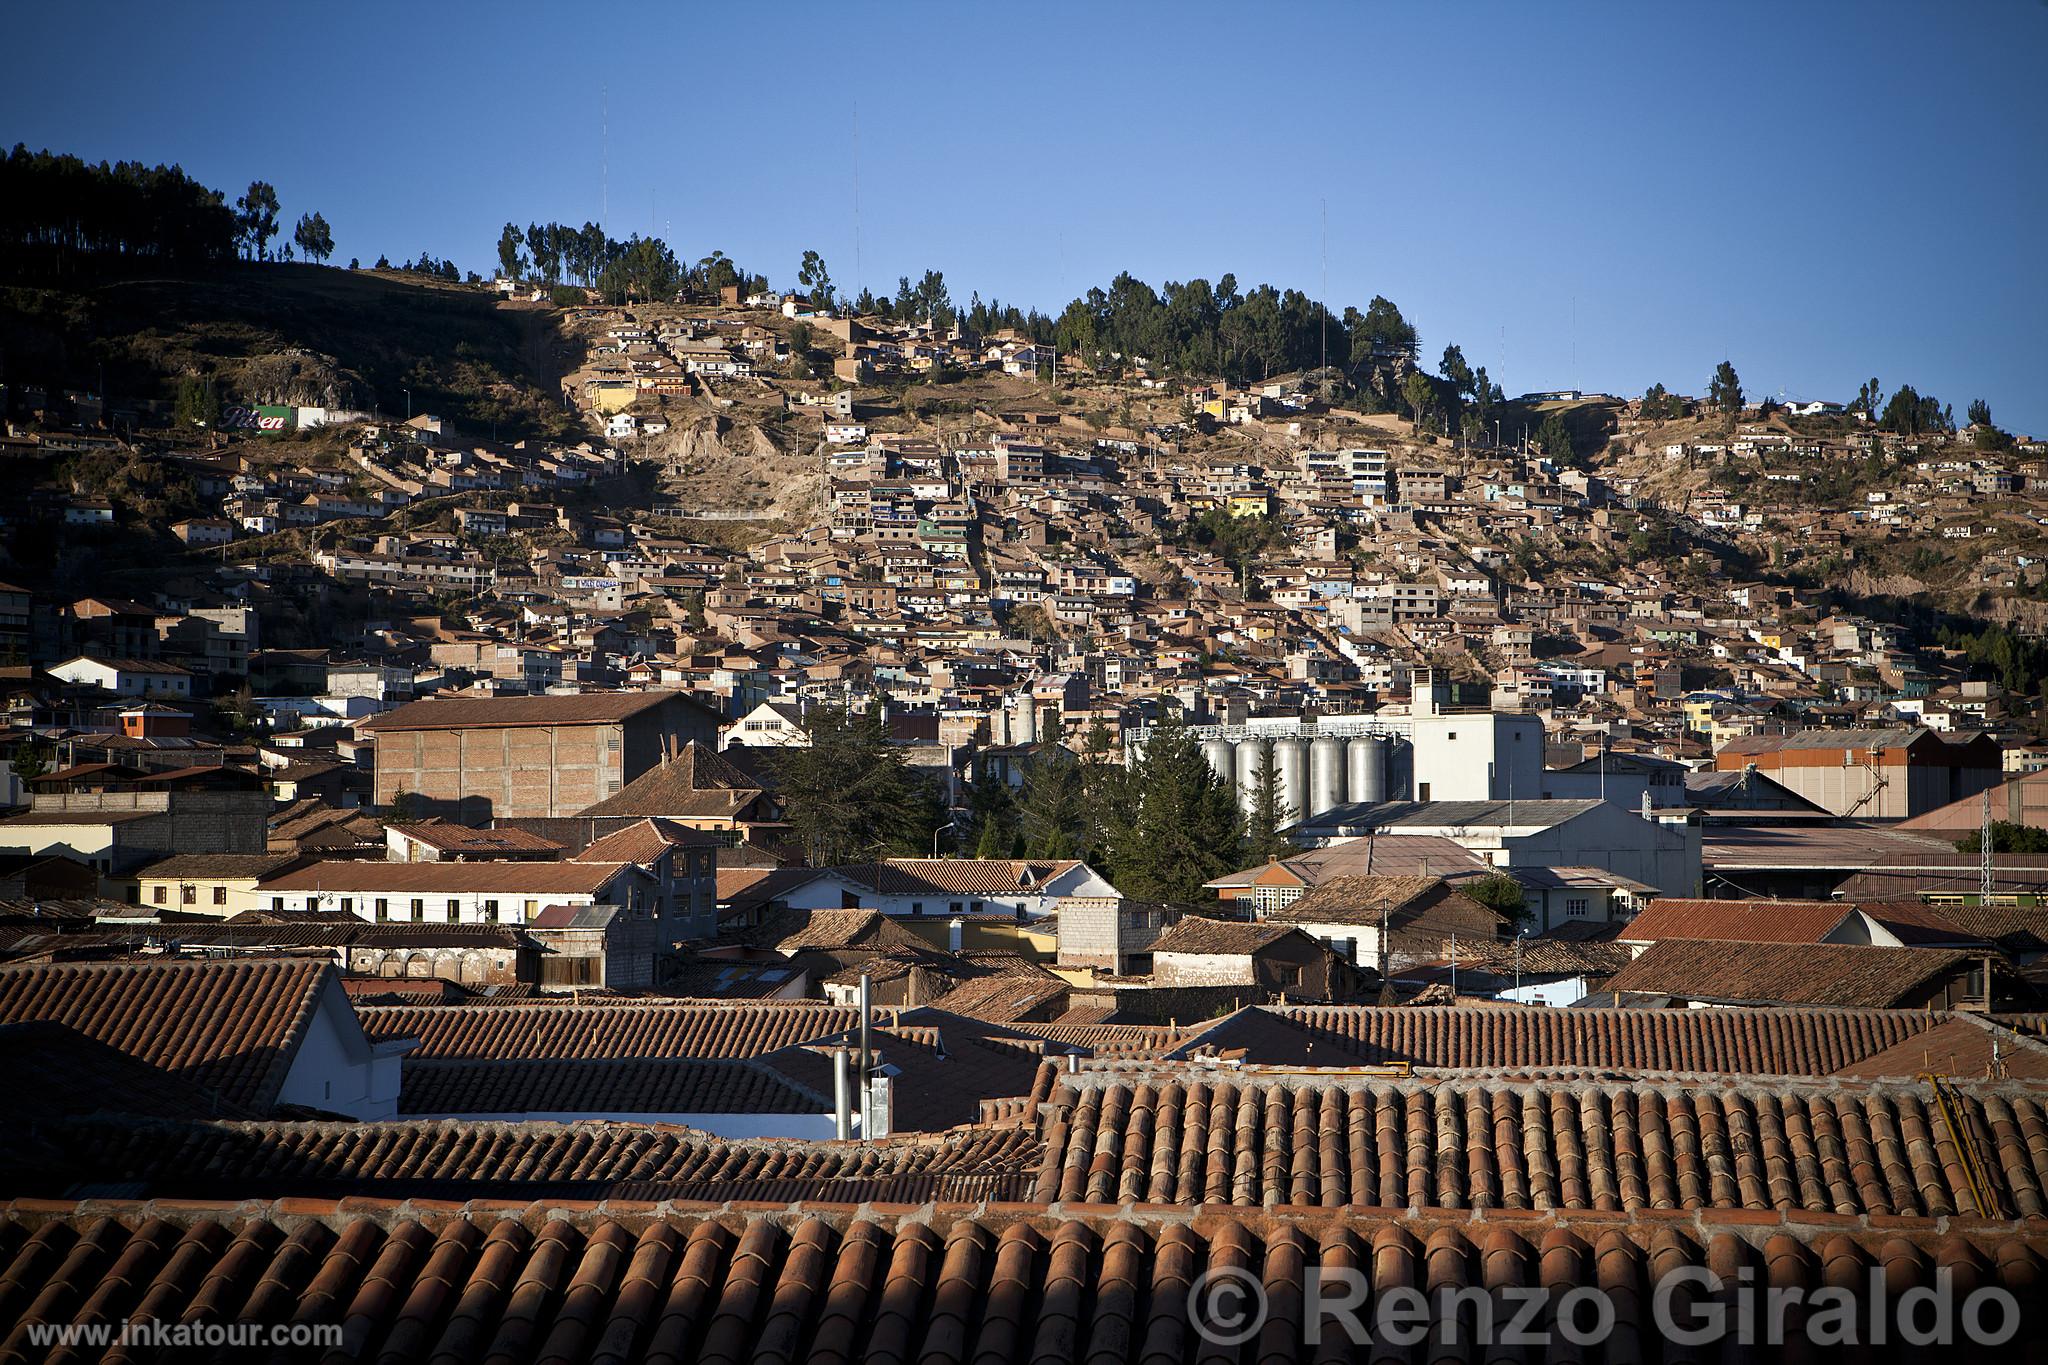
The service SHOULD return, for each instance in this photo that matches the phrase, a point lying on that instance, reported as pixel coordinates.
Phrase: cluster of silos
(1314, 775)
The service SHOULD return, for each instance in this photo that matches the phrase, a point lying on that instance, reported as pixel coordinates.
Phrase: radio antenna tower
(858, 282)
(1987, 863)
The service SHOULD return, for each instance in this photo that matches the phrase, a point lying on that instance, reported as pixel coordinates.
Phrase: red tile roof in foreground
(700, 1283)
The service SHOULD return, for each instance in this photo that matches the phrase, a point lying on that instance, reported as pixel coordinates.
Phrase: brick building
(498, 758)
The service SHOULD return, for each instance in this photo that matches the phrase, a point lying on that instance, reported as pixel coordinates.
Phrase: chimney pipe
(842, 1099)
(867, 1053)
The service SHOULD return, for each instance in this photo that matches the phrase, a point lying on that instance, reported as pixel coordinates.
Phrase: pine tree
(1270, 813)
(849, 795)
(1052, 812)
(1187, 829)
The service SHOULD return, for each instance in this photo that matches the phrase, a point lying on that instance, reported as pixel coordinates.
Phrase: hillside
(296, 334)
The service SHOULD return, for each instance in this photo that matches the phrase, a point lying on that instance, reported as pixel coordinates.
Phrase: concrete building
(1662, 854)
(458, 893)
(117, 832)
(1871, 774)
(480, 759)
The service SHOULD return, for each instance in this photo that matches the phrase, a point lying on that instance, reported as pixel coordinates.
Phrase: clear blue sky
(1598, 196)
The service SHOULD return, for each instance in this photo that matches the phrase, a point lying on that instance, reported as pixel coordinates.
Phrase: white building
(126, 677)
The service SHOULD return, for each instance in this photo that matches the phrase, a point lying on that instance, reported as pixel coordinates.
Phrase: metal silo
(1326, 774)
(1290, 755)
(1221, 760)
(1368, 759)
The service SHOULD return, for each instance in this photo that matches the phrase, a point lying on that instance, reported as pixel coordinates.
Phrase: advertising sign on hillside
(266, 418)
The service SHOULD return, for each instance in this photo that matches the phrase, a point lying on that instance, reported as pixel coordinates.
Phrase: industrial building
(1871, 774)
(1429, 753)
(502, 758)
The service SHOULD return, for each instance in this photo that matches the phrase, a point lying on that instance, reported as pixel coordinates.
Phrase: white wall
(336, 1068)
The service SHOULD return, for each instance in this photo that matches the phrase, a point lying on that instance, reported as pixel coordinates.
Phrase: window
(348, 905)
(277, 902)
(188, 895)
(1575, 907)
(957, 907)
(419, 910)
(161, 895)
(1450, 734)
(917, 907)
(220, 895)
(1422, 791)
(454, 908)
(490, 912)
(383, 910)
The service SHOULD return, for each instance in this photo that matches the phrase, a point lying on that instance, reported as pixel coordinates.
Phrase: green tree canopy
(314, 238)
(815, 279)
(850, 797)
(1052, 811)
(1187, 828)
(1270, 814)
(2006, 837)
(1724, 390)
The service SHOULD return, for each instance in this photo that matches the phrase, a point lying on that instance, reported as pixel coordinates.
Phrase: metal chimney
(842, 1098)
(867, 1052)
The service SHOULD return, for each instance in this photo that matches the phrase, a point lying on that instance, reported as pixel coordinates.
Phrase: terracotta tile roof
(457, 713)
(1110, 1040)
(210, 866)
(230, 1028)
(528, 1282)
(48, 1070)
(1190, 1135)
(450, 837)
(794, 931)
(1966, 1046)
(644, 842)
(625, 1029)
(1366, 900)
(1746, 921)
(1786, 973)
(1799, 1042)
(958, 876)
(458, 1158)
(1196, 934)
(1006, 998)
(696, 782)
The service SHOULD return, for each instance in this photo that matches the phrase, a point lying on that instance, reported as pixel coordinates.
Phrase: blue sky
(1598, 196)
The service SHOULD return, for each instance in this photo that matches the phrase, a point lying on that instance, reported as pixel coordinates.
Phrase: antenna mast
(859, 282)
(1987, 863)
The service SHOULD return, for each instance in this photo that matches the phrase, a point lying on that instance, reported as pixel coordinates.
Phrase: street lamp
(408, 405)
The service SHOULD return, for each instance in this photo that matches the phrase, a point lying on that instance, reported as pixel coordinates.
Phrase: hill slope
(294, 334)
